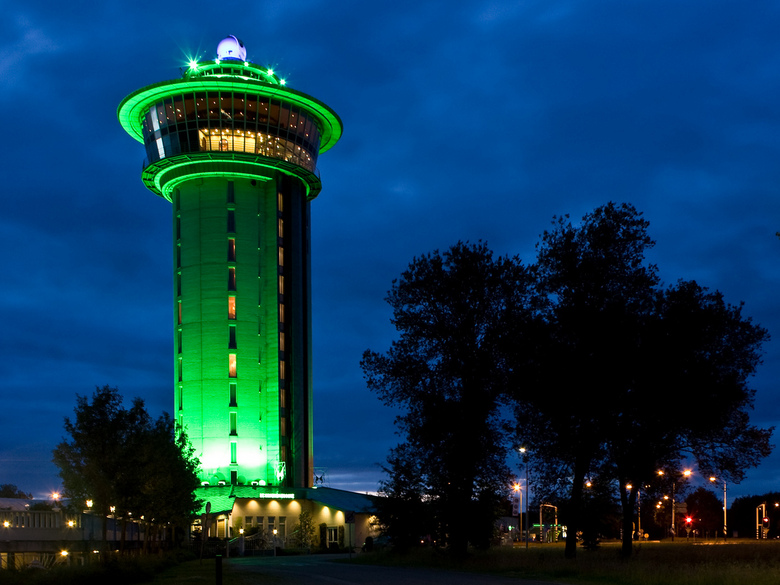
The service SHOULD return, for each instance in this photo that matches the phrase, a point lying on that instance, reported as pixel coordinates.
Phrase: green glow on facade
(235, 153)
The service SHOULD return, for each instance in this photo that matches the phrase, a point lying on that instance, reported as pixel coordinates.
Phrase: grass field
(666, 563)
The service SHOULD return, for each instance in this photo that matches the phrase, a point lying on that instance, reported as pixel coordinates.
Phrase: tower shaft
(235, 153)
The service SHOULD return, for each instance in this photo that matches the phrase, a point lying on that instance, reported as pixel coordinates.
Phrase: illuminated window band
(231, 121)
(134, 107)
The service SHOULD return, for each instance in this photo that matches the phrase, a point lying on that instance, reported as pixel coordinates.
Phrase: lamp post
(527, 493)
(713, 479)
(638, 511)
(686, 473)
(519, 494)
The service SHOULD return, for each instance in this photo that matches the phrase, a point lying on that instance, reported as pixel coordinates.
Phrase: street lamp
(523, 454)
(686, 473)
(713, 479)
(638, 510)
(519, 510)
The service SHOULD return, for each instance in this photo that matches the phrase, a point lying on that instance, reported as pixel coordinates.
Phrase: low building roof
(222, 498)
(16, 504)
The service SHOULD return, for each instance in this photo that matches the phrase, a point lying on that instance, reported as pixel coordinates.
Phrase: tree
(9, 490)
(169, 476)
(706, 510)
(742, 514)
(304, 532)
(120, 457)
(91, 462)
(455, 312)
(626, 363)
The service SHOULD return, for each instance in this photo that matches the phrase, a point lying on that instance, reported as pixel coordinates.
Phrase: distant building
(41, 538)
(235, 151)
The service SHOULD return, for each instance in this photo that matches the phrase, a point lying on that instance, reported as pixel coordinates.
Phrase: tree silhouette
(635, 376)
(447, 371)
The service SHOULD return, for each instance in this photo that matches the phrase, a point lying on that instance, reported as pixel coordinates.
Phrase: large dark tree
(635, 376)
(120, 457)
(455, 313)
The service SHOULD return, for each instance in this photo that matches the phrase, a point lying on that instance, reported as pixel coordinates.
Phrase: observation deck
(228, 117)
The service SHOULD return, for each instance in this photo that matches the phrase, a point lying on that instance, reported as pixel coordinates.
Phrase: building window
(233, 423)
(232, 365)
(231, 249)
(281, 369)
(248, 521)
(231, 309)
(181, 379)
(178, 284)
(231, 337)
(178, 256)
(282, 531)
(180, 398)
(179, 312)
(280, 201)
(233, 452)
(333, 535)
(283, 427)
(281, 228)
(231, 191)
(281, 256)
(281, 312)
(178, 340)
(231, 279)
(178, 228)
(231, 221)
(281, 341)
(281, 284)
(232, 394)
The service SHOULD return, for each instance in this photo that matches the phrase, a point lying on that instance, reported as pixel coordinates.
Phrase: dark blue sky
(462, 121)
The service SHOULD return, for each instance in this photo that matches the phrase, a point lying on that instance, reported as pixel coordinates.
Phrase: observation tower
(235, 152)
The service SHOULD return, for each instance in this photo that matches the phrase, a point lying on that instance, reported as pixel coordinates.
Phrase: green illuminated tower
(235, 151)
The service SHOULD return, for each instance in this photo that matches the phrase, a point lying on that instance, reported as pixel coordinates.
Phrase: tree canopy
(612, 376)
(122, 458)
(447, 370)
(9, 490)
(636, 376)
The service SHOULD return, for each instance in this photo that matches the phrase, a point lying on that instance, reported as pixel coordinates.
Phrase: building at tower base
(267, 517)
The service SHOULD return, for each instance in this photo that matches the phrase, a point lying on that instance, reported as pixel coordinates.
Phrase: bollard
(219, 569)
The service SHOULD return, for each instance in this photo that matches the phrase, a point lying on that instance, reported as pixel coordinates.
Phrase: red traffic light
(688, 520)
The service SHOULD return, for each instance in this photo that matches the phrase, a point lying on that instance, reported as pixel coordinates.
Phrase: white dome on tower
(231, 47)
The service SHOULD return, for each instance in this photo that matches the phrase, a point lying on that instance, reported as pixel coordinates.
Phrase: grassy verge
(128, 570)
(652, 564)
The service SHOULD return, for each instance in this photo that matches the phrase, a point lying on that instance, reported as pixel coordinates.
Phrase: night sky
(462, 120)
